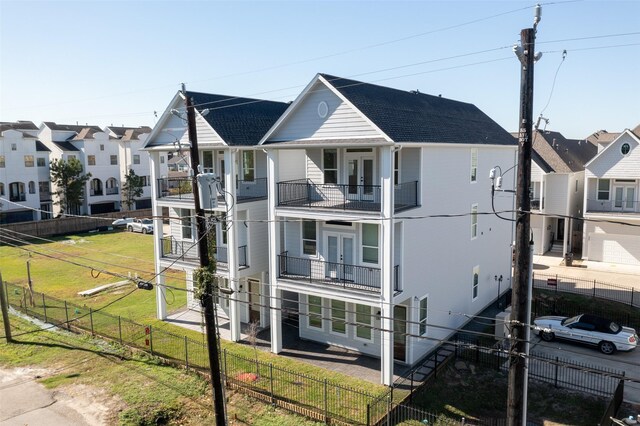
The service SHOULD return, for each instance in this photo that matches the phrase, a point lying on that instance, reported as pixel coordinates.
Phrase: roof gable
(611, 163)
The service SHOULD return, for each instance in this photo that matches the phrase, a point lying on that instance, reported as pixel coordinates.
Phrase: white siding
(206, 135)
(611, 164)
(556, 197)
(314, 165)
(342, 121)
(255, 237)
(295, 161)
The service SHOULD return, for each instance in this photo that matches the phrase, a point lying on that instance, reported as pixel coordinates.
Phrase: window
(14, 147)
(185, 223)
(625, 148)
(207, 161)
(16, 191)
(370, 243)
(396, 167)
(576, 185)
(315, 311)
(363, 322)
(28, 160)
(162, 159)
(338, 317)
(114, 160)
(1, 189)
(101, 147)
(42, 162)
(2, 161)
(422, 312)
(603, 189)
(224, 234)
(96, 187)
(32, 187)
(44, 188)
(136, 158)
(70, 156)
(474, 221)
(309, 243)
(144, 180)
(476, 279)
(248, 166)
(330, 158)
(474, 164)
(91, 160)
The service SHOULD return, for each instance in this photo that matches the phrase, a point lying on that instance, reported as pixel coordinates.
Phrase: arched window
(96, 187)
(16, 192)
(32, 187)
(111, 186)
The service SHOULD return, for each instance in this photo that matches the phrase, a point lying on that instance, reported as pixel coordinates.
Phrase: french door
(340, 256)
(624, 197)
(360, 177)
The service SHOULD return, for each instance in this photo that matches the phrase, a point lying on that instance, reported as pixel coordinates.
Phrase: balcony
(45, 196)
(172, 248)
(111, 191)
(181, 189)
(537, 203)
(353, 277)
(306, 194)
(613, 207)
(21, 196)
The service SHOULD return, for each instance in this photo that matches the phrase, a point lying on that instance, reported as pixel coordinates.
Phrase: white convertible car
(607, 335)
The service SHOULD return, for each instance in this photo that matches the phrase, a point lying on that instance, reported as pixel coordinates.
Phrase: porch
(180, 189)
(173, 249)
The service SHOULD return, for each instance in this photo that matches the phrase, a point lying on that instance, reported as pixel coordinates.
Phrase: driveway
(625, 361)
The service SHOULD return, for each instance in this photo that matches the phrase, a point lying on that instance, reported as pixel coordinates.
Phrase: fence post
(186, 353)
(555, 380)
(411, 394)
(273, 400)
(226, 377)
(368, 414)
(91, 319)
(66, 316)
(151, 339)
(594, 288)
(631, 296)
(326, 404)
(120, 329)
(435, 372)
(44, 308)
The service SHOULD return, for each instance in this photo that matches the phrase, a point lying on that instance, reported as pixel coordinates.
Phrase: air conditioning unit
(208, 190)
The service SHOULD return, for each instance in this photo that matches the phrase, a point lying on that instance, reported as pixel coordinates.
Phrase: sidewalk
(610, 273)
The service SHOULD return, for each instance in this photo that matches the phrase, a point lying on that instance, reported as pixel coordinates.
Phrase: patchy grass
(140, 389)
(476, 392)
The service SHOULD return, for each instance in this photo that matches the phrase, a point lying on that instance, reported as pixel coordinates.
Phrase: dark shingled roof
(418, 117)
(41, 147)
(129, 133)
(66, 146)
(71, 127)
(602, 136)
(540, 162)
(17, 125)
(564, 155)
(244, 123)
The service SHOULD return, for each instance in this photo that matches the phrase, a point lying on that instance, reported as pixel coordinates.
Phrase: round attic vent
(323, 109)
(625, 148)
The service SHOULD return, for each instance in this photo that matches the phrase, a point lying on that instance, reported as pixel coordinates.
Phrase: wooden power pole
(516, 400)
(203, 252)
(4, 307)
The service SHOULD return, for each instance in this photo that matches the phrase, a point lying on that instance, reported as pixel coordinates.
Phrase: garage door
(614, 248)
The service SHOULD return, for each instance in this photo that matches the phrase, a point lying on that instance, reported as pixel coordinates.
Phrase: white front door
(339, 256)
(360, 176)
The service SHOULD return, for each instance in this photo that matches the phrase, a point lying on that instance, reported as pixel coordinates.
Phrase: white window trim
(302, 253)
(245, 169)
(362, 245)
(426, 319)
(371, 325)
(322, 322)
(337, 169)
(476, 270)
(474, 154)
(474, 221)
(346, 318)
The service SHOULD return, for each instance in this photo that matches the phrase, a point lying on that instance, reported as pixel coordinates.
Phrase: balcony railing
(17, 197)
(45, 196)
(537, 204)
(111, 191)
(188, 251)
(304, 193)
(95, 192)
(613, 206)
(180, 188)
(316, 271)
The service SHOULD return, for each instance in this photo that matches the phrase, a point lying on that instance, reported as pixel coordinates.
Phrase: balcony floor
(349, 205)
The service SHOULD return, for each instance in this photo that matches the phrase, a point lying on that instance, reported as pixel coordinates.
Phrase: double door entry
(360, 177)
(624, 197)
(340, 256)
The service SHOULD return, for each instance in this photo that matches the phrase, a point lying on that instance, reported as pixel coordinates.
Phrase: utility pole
(517, 383)
(203, 252)
(4, 307)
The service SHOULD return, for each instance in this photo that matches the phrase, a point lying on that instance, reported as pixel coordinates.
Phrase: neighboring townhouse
(130, 156)
(557, 191)
(377, 224)
(611, 200)
(228, 130)
(24, 174)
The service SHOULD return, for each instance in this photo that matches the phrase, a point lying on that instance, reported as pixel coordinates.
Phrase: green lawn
(128, 252)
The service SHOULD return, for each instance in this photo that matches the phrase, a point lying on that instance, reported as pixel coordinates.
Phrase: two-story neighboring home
(381, 231)
(557, 191)
(611, 200)
(228, 130)
(24, 174)
(130, 142)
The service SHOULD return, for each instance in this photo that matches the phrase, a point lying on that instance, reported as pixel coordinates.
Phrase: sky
(118, 62)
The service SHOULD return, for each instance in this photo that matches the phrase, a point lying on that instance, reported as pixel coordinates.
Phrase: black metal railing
(251, 189)
(111, 191)
(222, 255)
(304, 193)
(537, 204)
(246, 190)
(613, 206)
(17, 197)
(175, 187)
(339, 274)
(188, 250)
(45, 196)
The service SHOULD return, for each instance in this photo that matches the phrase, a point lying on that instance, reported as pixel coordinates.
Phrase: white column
(386, 246)
(230, 158)
(274, 249)
(565, 240)
(156, 211)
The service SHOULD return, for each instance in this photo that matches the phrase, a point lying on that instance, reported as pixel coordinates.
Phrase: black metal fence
(614, 405)
(591, 288)
(188, 251)
(314, 397)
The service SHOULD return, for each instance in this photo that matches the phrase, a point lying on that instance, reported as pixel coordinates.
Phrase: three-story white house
(381, 231)
(611, 199)
(24, 173)
(228, 130)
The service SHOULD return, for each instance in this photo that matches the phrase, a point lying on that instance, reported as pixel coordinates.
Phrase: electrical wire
(553, 85)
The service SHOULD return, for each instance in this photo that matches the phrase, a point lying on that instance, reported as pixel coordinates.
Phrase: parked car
(122, 223)
(588, 329)
(141, 225)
